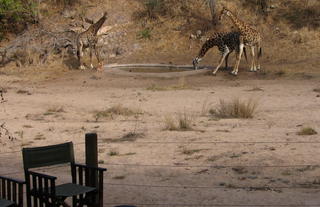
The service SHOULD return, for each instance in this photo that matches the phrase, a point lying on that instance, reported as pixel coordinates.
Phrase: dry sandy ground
(41, 112)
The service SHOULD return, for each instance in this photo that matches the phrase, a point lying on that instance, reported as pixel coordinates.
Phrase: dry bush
(299, 13)
(192, 15)
(205, 108)
(235, 109)
(116, 110)
(182, 122)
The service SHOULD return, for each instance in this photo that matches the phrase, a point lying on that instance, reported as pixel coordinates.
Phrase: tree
(212, 6)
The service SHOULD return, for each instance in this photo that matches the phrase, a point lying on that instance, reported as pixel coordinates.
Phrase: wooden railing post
(91, 157)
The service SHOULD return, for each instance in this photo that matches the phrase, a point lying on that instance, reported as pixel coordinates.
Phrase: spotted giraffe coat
(226, 42)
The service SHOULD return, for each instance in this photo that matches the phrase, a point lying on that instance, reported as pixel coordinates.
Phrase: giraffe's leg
(80, 54)
(97, 54)
(223, 57)
(226, 60)
(236, 67)
(259, 51)
(91, 48)
(253, 67)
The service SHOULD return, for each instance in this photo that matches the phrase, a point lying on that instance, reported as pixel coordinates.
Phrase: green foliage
(144, 34)
(15, 14)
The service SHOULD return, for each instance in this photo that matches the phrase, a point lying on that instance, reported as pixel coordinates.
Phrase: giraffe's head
(195, 63)
(224, 12)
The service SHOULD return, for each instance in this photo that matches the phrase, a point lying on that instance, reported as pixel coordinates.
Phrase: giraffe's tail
(260, 52)
(245, 53)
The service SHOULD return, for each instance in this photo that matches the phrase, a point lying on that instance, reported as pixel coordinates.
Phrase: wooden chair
(87, 182)
(11, 192)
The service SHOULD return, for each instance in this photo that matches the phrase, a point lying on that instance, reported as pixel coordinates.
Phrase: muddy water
(154, 70)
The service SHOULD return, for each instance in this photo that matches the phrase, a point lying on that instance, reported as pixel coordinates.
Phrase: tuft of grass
(185, 121)
(191, 151)
(130, 153)
(23, 92)
(170, 123)
(182, 122)
(113, 153)
(317, 90)
(131, 136)
(54, 110)
(235, 109)
(116, 110)
(144, 34)
(39, 137)
(280, 73)
(205, 108)
(307, 131)
(119, 177)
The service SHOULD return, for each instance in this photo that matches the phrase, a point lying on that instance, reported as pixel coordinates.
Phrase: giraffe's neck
(96, 26)
(206, 46)
(238, 23)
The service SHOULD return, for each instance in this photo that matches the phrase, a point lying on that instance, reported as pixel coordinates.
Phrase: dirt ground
(262, 161)
(248, 162)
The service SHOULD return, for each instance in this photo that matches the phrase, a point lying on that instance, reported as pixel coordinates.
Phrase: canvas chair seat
(70, 189)
(6, 203)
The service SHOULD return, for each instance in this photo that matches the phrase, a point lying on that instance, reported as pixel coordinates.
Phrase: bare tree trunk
(212, 5)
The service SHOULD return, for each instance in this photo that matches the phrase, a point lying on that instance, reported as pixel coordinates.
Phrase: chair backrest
(48, 155)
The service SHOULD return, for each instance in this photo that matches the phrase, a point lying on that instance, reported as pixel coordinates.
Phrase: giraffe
(226, 43)
(248, 37)
(90, 37)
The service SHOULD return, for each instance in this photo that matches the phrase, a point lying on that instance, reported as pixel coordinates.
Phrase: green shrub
(15, 14)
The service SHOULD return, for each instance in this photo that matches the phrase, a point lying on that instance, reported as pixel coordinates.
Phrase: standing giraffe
(90, 37)
(248, 37)
(226, 43)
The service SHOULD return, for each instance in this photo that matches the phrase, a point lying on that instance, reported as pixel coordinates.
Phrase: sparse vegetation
(317, 90)
(144, 34)
(119, 177)
(205, 108)
(181, 85)
(39, 137)
(14, 14)
(113, 153)
(152, 9)
(130, 153)
(131, 136)
(182, 122)
(191, 151)
(235, 109)
(116, 110)
(54, 110)
(307, 131)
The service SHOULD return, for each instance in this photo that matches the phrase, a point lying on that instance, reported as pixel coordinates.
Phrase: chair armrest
(12, 189)
(89, 167)
(14, 180)
(41, 175)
